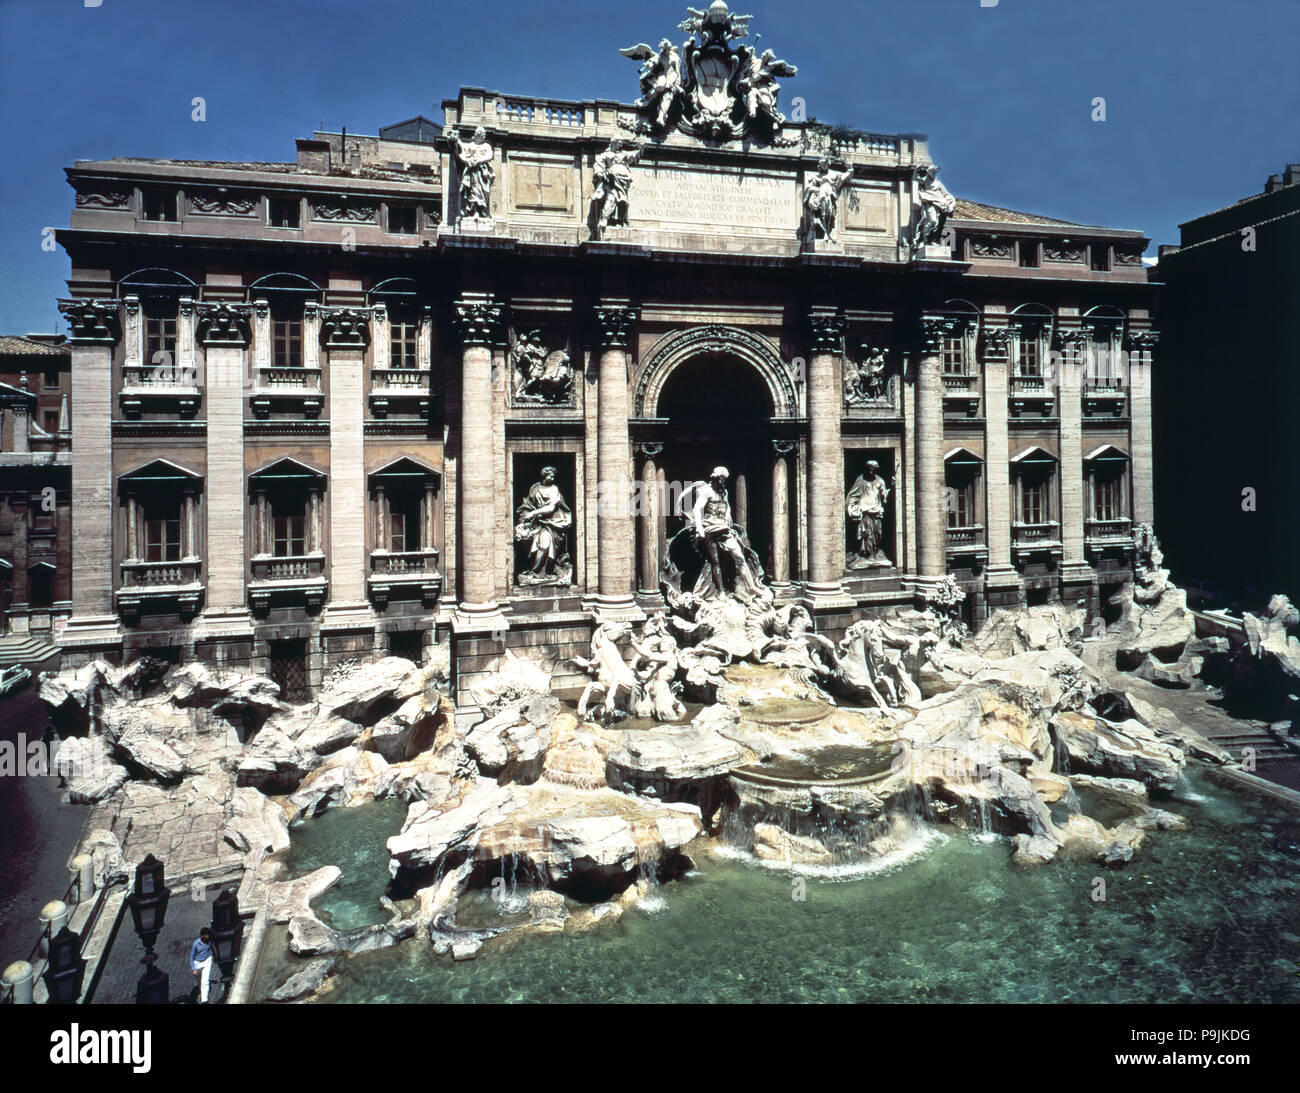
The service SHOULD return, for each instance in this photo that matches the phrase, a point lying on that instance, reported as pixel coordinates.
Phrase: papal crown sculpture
(710, 88)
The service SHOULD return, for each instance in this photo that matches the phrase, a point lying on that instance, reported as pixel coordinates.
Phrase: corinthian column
(931, 553)
(825, 460)
(615, 532)
(480, 321)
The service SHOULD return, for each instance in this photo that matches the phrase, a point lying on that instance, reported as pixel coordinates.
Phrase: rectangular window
(159, 205)
(401, 219)
(1030, 362)
(403, 342)
(1100, 257)
(1028, 254)
(286, 343)
(51, 421)
(1033, 501)
(160, 342)
(954, 355)
(961, 507)
(403, 524)
(283, 212)
(1108, 497)
(289, 533)
(1102, 368)
(51, 379)
(162, 534)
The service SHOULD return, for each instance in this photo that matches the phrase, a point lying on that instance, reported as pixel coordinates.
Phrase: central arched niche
(718, 411)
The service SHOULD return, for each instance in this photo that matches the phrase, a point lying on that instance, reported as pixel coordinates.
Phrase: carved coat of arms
(712, 88)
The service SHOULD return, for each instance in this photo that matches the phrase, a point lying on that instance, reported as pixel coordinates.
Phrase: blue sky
(1202, 98)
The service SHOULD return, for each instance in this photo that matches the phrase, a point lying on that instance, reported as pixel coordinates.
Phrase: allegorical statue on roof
(476, 174)
(711, 88)
(613, 178)
(937, 204)
(821, 195)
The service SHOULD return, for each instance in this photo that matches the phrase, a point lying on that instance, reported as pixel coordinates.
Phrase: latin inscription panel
(730, 199)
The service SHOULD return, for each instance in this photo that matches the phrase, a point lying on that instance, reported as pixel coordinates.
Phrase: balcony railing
(1030, 385)
(400, 563)
(399, 380)
(1035, 535)
(301, 568)
(147, 575)
(1109, 532)
(158, 377)
(969, 538)
(289, 379)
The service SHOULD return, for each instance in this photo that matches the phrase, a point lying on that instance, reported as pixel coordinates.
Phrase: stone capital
(1066, 337)
(1143, 340)
(614, 325)
(92, 322)
(784, 447)
(224, 324)
(345, 327)
(479, 320)
(651, 449)
(996, 338)
(931, 330)
(826, 332)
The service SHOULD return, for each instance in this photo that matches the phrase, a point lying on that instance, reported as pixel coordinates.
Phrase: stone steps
(1264, 743)
(24, 649)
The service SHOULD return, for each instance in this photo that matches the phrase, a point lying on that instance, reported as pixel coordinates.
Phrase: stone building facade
(35, 479)
(316, 399)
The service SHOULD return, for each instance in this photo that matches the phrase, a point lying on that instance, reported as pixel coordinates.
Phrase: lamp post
(153, 988)
(65, 969)
(227, 933)
(148, 902)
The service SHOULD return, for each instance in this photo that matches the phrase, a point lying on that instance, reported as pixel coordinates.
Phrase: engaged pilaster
(1001, 574)
(782, 450)
(650, 501)
(1141, 344)
(95, 326)
(1074, 343)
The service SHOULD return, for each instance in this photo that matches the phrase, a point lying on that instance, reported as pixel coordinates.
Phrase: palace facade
(315, 399)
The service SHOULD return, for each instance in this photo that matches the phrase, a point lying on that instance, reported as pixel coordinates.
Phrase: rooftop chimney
(314, 156)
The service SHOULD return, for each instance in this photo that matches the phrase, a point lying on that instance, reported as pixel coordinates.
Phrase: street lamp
(227, 932)
(65, 968)
(148, 902)
(154, 987)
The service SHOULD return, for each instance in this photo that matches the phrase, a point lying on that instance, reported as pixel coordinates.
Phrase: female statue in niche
(865, 503)
(542, 522)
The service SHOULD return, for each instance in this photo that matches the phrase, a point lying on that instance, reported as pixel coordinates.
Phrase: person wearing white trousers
(201, 961)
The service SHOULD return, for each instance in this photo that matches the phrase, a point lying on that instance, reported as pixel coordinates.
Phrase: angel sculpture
(758, 87)
(661, 78)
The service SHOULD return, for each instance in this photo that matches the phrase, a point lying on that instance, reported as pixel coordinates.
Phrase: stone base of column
(1002, 576)
(1078, 587)
(479, 618)
(924, 588)
(348, 616)
(825, 596)
(86, 632)
(613, 608)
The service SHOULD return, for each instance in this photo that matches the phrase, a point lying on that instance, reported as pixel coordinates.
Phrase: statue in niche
(542, 522)
(821, 197)
(476, 175)
(757, 84)
(865, 503)
(937, 204)
(719, 539)
(866, 380)
(661, 79)
(541, 376)
(613, 178)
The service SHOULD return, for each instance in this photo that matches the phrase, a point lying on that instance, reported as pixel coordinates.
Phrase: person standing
(201, 961)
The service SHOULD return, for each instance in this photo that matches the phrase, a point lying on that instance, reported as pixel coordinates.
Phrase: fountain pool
(1210, 914)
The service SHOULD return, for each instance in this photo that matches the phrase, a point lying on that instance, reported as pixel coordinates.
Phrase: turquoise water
(355, 840)
(1207, 915)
